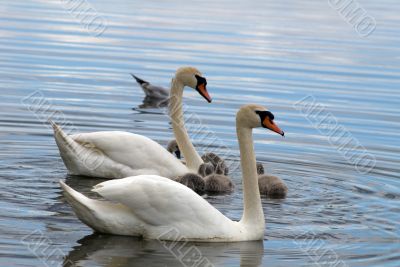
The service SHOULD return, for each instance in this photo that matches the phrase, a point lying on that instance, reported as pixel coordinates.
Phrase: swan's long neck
(253, 215)
(193, 159)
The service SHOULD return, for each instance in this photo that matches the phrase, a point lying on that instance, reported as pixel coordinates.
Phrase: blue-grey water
(281, 54)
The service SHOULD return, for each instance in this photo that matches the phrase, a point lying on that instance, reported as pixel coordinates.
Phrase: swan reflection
(112, 251)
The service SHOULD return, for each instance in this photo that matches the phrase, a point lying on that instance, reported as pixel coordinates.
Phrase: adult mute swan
(155, 207)
(115, 154)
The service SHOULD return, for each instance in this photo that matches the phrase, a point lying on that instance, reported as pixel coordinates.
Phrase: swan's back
(159, 202)
(139, 153)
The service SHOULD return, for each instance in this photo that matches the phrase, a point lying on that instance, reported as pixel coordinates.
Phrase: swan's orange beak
(201, 88)
(270, 124)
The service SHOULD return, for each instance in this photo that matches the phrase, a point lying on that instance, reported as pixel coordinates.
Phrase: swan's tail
(101, 216)
(77, 158)
(69, 149)
(65, 143)
(79, 202)
(83, 206)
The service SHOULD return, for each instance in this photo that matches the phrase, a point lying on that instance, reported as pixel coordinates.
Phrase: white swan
(115, 154)
(155, 207)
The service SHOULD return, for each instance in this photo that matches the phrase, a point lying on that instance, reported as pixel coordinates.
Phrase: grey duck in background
(156, 96)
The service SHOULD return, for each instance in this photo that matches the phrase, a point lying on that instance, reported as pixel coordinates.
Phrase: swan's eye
(265, 115)
(200, 80)
(270, 115)
(201, 87)
(267, 121)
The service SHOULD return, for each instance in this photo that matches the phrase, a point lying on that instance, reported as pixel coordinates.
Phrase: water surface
(267, 52)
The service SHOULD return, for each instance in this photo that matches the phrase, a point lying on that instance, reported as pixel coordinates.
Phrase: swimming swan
(269, 185)
(218, 182)
(208, 157)
(155, 207)
(214, 182)
(206, 169)
(172, 147)
(193, 181)
(216, 161)
(115, 154)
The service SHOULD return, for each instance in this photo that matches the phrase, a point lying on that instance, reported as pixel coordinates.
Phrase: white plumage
(115, 154)
(121, 154)
(152, 206)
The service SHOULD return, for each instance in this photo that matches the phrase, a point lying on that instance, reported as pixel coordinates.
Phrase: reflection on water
(105, 250)
(149, 102)
(270, 52)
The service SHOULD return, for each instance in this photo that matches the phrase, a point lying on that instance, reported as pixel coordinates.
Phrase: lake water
(301, 59)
